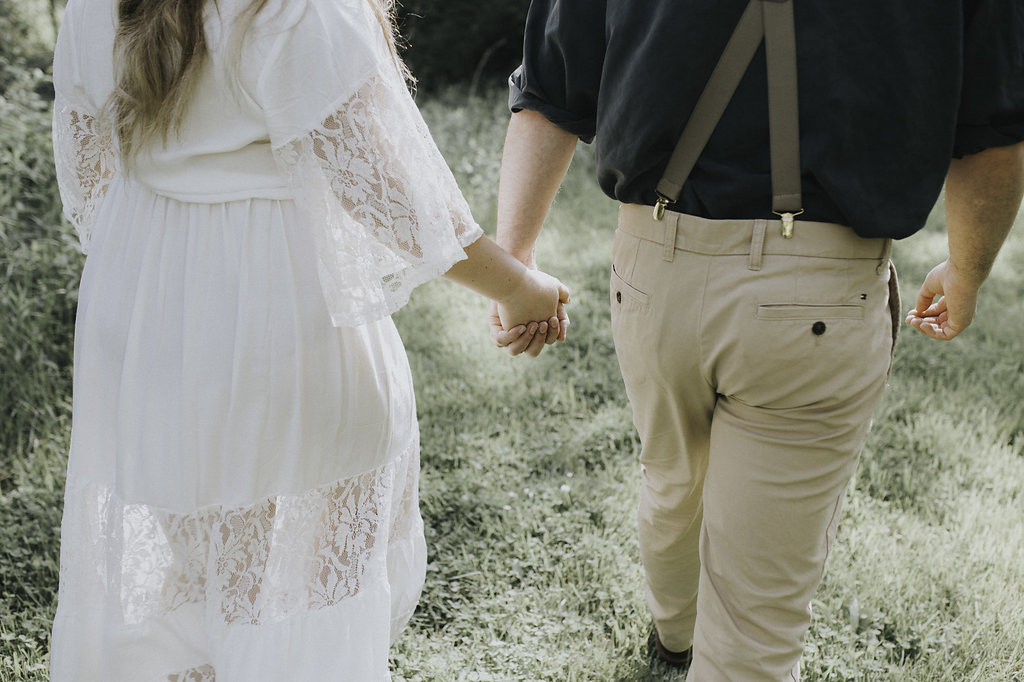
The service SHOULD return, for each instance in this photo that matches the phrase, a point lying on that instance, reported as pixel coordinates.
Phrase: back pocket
(798, 311)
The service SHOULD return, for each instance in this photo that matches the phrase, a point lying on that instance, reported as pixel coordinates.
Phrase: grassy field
(529, 467)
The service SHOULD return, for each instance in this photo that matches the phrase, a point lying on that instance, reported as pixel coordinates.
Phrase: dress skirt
(241, 500)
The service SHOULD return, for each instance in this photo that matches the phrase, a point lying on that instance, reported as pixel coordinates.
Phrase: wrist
(970, 274)
(519, 288)
(526, 256)
(518, 249)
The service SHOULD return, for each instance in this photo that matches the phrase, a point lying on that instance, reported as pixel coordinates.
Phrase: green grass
(529, 477)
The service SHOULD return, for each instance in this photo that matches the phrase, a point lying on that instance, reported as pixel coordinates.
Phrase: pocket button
(618, 297)
(818, 328)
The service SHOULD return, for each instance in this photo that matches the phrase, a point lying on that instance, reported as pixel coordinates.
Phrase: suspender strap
(783, 111)
(773, 20)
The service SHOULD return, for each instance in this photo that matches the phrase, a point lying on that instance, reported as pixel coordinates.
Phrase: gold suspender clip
(660, 205)
(787, 222)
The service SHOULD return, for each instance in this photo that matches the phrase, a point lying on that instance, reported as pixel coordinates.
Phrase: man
(753, 319)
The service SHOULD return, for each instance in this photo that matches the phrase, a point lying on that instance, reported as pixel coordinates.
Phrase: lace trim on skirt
(254, 564)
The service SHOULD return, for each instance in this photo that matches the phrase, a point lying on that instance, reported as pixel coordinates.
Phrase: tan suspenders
(772, 20)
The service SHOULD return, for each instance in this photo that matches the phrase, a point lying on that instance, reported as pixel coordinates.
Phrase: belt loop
(668, 253)
(757, 244)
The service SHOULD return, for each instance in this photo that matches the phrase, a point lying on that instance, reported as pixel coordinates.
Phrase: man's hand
(946, 304)
(531, 338)
(983, 194)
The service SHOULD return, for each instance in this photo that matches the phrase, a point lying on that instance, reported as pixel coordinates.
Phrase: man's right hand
(528, 338)
(983, 195)
(946, 304)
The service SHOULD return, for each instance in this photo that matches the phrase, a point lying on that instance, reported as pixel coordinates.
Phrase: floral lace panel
(388, 212)
(86, 164)
(256, 564)
(203, 673)
(263, 562)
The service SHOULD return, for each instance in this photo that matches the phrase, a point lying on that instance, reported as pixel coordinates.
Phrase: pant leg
(799, 352)
(655, 320)
(773, 492)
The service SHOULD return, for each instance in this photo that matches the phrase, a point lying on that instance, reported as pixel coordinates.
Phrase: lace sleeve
(384, 206)
(84, 155)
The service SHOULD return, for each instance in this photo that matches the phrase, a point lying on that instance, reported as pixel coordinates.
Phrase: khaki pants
(753, 364)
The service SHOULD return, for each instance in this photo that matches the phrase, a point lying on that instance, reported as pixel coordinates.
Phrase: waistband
(743, 237)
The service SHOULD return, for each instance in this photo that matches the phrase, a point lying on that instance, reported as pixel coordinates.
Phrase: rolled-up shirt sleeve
(992, 100)
(563, 56)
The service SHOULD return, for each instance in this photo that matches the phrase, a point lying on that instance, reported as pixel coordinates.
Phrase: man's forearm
(983, 195)
(533, 164)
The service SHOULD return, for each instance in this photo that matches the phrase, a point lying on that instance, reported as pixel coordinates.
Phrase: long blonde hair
(159, 48)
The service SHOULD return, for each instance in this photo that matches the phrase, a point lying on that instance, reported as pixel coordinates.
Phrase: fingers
(946, 305)
(552, 330)
(536, 344)
(502, 338)
(931, 288)
(514, 340)
(563, 294)
(531, 337)
(931, 310)
(926, 300)
(525, 341)
(930, 315)
(936, 328)
(563, 322)
(935, 322)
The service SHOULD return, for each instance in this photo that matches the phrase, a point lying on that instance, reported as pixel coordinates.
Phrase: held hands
(531, 316)
(946, 303)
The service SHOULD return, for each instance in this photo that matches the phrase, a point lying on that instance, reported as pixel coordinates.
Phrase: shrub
(27, 32)
(39, 271)
(462, 41)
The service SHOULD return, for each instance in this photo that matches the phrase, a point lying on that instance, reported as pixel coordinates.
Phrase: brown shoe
(673, 659)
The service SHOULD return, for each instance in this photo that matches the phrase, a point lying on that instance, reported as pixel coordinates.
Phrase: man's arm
(533, 164)
(983, 195)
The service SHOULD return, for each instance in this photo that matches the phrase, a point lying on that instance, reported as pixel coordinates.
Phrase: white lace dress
(241, 501)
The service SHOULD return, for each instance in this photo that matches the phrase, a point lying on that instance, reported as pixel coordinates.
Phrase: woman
(257, 193)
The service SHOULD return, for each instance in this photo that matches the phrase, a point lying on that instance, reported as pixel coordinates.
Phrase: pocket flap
(799, 311)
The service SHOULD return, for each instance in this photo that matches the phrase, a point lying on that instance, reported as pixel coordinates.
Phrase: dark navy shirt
(890, 90)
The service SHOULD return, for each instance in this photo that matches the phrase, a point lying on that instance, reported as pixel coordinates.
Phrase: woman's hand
(531, 315)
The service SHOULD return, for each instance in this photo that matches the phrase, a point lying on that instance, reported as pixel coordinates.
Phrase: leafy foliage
(27, 31)
(39, 271)
(28, 581)
(462, 41)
